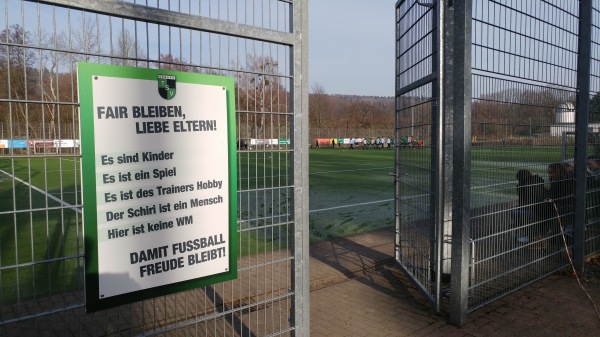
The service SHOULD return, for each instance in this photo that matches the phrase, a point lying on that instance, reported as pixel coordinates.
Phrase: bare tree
(260, 92)
(18, 71)
(57, 75)
(171, 62)
(87, 41)
(126, 50)
(318, 104)
(516, 111)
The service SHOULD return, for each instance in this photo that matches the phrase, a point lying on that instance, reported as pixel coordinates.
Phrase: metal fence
(508, 93)
(415, 170)
(262, 44)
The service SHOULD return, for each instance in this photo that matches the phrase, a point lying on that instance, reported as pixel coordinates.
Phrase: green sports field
(40, 226)
(351, 191)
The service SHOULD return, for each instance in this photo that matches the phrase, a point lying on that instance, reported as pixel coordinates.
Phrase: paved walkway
(358, 290)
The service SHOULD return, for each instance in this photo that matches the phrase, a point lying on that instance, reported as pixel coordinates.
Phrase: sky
(351, 46)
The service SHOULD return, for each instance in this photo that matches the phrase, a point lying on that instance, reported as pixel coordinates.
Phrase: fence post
(581, 121)
(441, 250)
(300, 309)
(457, 85)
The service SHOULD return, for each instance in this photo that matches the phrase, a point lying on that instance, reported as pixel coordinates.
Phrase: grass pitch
(40, 227)
(351, 191)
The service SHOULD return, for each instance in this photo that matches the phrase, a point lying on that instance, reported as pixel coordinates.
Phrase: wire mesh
(41, 240)
(524, 79)
(415, 217)
(524, 60)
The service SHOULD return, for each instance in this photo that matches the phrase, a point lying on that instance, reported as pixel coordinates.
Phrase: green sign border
(85, 73)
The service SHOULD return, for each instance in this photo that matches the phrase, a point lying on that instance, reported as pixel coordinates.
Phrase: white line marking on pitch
(354, 170)
(76, 209)
(345, 206)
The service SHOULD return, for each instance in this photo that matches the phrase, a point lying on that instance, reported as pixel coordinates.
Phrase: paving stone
(366, 294)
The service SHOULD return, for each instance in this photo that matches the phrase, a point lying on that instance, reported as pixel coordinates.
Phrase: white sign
(65, 143)
(159, 182)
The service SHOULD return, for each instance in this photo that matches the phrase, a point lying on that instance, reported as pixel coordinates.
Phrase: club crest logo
(166, 86)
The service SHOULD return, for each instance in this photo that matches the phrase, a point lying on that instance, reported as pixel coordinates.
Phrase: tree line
(347, 116)
(499, 111)
(38, 81)
(38, 93)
